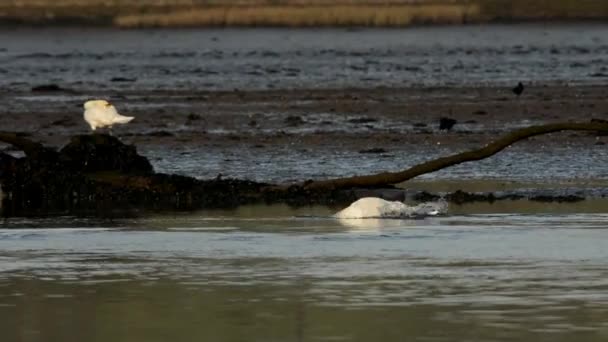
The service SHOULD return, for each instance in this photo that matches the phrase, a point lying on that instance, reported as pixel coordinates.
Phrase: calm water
(277, 274)
(88, 59)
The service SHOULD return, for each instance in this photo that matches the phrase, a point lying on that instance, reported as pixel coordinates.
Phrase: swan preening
(374, 207)
(100, 113)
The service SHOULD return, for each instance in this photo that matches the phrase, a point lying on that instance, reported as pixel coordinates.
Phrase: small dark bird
(446, 123)
(518, 89)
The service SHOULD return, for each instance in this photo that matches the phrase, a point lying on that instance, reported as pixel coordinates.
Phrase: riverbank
(283, 136)
(293, 13)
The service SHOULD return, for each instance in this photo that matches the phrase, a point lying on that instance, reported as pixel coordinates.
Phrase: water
(274, 273)
(152, 63)
(286, 164)
(88, 59)
(487, 273)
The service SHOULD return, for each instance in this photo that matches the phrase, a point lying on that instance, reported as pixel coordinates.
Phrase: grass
(302, 16)
(176, 13)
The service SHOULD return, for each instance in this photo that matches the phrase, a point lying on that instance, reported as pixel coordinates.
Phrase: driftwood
(95, 171)
(388, 178)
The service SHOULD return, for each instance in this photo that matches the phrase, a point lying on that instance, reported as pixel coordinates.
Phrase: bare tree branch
(388, 178)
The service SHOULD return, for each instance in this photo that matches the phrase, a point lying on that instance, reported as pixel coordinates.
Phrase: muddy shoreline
(355, 117)
(179, 131)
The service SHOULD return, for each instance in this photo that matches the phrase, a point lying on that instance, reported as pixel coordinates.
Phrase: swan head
(97, 104)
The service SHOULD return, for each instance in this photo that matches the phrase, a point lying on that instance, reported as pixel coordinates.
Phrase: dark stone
(425, 196)
(194, 117)
(373, 150)
(47, 88)
(99, 175)
(460, 197)
(122, 79)
(294, 120)
(160, 134)
(559, 199)
(101, 152)
(601, 121)
(362, 120)
(65, 122)
(8, 164)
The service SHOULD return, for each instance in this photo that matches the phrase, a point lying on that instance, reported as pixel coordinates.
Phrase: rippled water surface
(284, 163)
(96, 59)
(279, 274)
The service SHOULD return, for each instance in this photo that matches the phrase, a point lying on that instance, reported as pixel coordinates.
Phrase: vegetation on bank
(387, 13)
(305, 16)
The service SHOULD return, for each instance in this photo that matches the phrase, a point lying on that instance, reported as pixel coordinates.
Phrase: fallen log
(389, 178)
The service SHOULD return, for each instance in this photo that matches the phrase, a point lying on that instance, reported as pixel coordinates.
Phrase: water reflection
(306, 277)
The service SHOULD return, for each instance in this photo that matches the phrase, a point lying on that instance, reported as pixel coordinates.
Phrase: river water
(101, 59)
(280, 274)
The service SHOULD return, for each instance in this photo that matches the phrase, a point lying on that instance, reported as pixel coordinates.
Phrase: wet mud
(97, 174)
(284, 106)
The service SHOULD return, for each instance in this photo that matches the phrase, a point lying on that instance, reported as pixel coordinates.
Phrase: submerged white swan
(100, 113)
(374, 207)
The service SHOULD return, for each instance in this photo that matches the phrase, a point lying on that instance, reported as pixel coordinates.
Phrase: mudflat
(292, 104)
(330, 132)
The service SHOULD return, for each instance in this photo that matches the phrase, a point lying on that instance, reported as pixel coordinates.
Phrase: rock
(425, 196)
(122, 79)
(100, 152)
(460, 197)
(294, 120)
(160, 134)
(65, 122)
(373, 150)
(47, 88)
(362, 120)
(600, 134)
(8, 164)
(558, 199)
(193, 117)
(98, 174)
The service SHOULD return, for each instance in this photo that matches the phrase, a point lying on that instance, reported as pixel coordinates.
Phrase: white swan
(100, 113)
(374, 207)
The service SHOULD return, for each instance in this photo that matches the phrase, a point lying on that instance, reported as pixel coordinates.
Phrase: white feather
(100, 113)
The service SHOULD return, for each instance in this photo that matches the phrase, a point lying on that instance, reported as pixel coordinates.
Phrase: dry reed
(305, 16)
(170, 13)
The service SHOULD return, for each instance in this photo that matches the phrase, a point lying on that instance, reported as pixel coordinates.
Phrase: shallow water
(274, 273)
(286, 163)
(89, 58)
